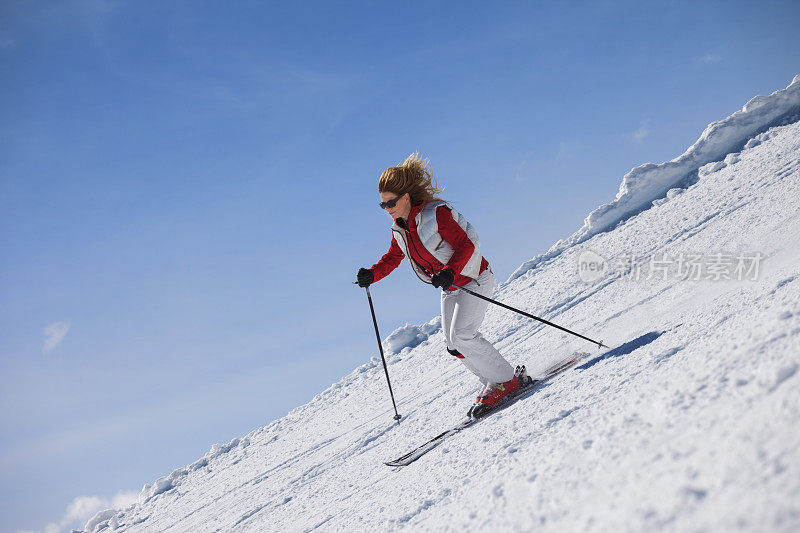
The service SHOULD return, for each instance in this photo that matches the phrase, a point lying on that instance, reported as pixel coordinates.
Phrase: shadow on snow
(623, 349)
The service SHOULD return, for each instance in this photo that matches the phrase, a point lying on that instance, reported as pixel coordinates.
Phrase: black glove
(443, 278)
(365, 277)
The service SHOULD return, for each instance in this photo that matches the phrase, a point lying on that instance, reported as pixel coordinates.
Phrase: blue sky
(187, 190)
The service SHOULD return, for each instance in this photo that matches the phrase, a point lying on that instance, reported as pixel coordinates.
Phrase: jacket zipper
(419, 254)
(411, 262)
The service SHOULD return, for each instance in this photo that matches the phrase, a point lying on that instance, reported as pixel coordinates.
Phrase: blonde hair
(412, 177)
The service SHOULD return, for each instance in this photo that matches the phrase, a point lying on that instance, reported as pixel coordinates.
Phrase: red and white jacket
(436, 237)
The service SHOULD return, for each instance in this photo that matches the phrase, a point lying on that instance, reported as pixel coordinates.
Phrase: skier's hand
(365, 277)
(443, 279)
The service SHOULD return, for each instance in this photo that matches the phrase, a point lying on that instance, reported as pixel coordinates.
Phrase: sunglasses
(390, 203)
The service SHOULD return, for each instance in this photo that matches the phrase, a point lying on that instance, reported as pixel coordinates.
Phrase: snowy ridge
(649, 182)
(410, 336)
(694, 411)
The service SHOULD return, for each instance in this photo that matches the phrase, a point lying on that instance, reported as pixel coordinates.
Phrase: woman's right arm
(388, 262)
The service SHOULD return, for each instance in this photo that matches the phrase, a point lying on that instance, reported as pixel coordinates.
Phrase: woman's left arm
(456, 237)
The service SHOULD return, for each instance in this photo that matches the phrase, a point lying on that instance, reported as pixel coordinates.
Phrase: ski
(529, 389)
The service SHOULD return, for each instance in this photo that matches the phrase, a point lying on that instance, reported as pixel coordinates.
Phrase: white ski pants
(462, 314)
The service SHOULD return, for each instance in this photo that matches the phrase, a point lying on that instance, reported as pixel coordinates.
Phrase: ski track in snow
(688, 423)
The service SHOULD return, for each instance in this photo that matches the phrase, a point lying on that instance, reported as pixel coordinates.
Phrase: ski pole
(380, 347)
(542, 320)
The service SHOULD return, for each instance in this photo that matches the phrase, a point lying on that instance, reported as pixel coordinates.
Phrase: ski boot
(523, 377)
(493, 393)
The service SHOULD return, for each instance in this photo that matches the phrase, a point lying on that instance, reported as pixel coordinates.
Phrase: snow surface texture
(688, 423)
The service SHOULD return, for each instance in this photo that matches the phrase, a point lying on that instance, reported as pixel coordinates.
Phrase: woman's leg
(468, 312)
(449, 299)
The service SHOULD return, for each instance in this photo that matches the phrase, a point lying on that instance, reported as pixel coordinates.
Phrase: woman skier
(443, 249)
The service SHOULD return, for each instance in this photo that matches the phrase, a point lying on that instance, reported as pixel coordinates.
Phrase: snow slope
(689, 422)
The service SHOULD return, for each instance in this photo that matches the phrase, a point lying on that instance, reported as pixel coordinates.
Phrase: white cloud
(518, 171)
(53, 335)
(709, 58)
(82, 508)
(124, 499)
(562, 151)
(641, 133)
